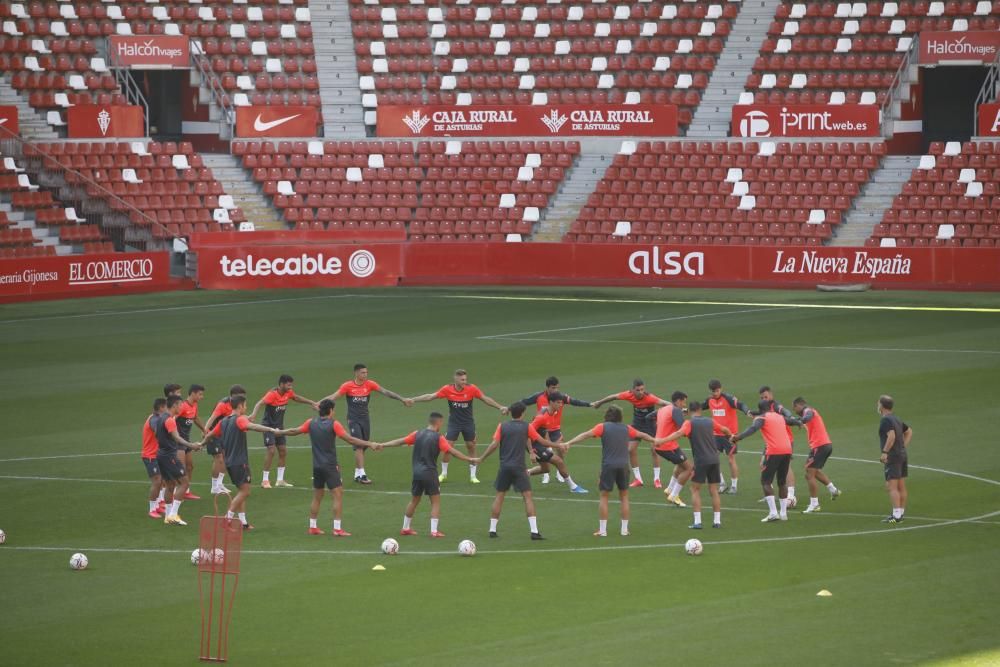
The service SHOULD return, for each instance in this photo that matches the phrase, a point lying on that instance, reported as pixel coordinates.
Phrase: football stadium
(500, 332)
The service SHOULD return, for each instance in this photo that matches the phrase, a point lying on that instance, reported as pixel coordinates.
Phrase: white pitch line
(543, 550)
(515, 338)
(631, 323)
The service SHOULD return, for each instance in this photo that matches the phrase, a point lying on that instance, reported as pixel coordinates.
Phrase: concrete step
(236, 182)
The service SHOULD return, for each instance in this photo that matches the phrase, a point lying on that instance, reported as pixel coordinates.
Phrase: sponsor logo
(148, 49)
(302, 265)
(98, 272)
(28, 277)
(959, 47)
(811, 262)
(554, 121)
(416, 121)
(104, 121)
(361, 263)
(996, 123)
(264, 126)
(666, 263)
(755, 124)
(2, 121)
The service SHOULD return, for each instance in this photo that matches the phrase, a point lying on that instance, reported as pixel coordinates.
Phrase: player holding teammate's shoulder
(149, 449)
(777, 456)
(617, 440)
(460, 395)
(275, 402)
(894, 437)
(187, 418)
(820, 449)
(170, 445)
(323, 431)
(427, 444)
(542, 401)
(223, 409)
(643, 404)
(231, 431)
(358, 391)
(514, 439)
(725, 409)
(701, 432)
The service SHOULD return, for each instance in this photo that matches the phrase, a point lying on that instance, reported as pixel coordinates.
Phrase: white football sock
(717, 517)
(312, 523)
(361, 472)
(533, 524)
(444, 468)
(472, 470)
(637, 473)
(831, 488)
(175, 507)
(230, 514)
(243, 518)
(897, 512)
(152, 505)
(722, 479)
(545, 478)
(407, 520)
(624, 526)
(160, 498)
(603, 525)
(571, 483)
(336, 524)
(814, 502)
(784, 507)
(770, 504)
(281, 474)
(697, 518)
(215, 484)
(656, 474)
(791, 493)
(434, 525)
(267, 475)
(559, 476)
(493, 525)
(733, 483)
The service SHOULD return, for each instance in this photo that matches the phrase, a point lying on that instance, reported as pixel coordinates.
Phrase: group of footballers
(711, 427)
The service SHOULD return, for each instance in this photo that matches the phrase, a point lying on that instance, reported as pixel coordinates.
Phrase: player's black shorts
(707, 473)
(214, 447)
(239, 474)
(468, 432)
(553, 436)
(613, 476)
(270, 439)
(516, 477)
(775, 465)
(152, 467)
(725, 445)
(897, 469)
(171, 468)
(360, 430)
(426, 485)
(543, 454)
(675, 456)
(818, 456)
(328, 476)
(645, 426)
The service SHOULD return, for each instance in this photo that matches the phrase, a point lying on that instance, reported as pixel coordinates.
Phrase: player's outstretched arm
(578, 403)
(468, 459)
(193, 445)
(262, 429)
(607, 399)
(578, 438)
(308, 401)
(489, 450)
(200, 424)
(357, 442)
(423, 398)
(676, 435)
(394, 396)
(333, 397)
(758, 423)
(493, 404)
(393, 443)
(253, 413)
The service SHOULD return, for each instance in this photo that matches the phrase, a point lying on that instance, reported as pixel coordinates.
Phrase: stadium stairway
(32, 126)
(337, 70)
(246, 194)
(875, 198)
(578, 185)
(713, 116)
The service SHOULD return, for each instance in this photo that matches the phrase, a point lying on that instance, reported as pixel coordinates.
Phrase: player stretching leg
(767, 395)
(149, 449)
(168, 459)
(232, 432)
(617, 441)
(643, 404)
(669, 419)
(820, 450)
(275, 402)
(701, 432)
(460, 421)
(323, 431)
(541, 402)
(223, 408)
(514, 438)
(547, 423)
(358, 391)
(894, 436)
(426, 443)
(186, 419)
(724, 409)
(777, 456)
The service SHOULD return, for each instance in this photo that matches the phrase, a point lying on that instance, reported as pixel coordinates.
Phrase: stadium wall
(412, 264)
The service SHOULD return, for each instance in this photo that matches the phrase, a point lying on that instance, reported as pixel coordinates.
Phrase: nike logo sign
(261, 126)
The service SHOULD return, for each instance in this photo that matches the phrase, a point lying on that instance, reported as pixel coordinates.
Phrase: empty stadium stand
(435, 190)
(726, 192)
(952, 198)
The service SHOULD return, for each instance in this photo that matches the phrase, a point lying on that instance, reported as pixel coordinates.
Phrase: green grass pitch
(79, 376)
